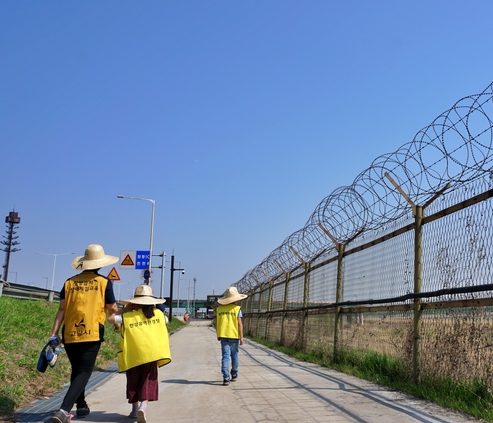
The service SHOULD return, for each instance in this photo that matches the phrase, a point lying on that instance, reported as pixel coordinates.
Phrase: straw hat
(143, 296)
(93, 258)
(231, 295)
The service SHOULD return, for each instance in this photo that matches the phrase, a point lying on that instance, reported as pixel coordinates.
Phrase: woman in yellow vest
(229, 330)
(144, 346)
(84, 301)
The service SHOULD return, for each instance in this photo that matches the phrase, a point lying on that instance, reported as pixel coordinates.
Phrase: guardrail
(27, 292)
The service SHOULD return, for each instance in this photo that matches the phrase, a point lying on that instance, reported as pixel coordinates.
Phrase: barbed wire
(456, 148)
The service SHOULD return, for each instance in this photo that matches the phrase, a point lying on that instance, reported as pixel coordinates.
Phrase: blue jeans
(230, 350)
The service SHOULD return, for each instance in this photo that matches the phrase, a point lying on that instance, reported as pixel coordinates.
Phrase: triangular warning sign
(113, 275)
(127, 261)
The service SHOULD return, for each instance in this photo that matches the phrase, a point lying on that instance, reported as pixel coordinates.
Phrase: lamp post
(172, 270)
(54, 265)
(194, 312)
(119, 286)
(188, 297)
(179, 292)
(46, 277)
(152, 224)
(15, 276)
(162, 266)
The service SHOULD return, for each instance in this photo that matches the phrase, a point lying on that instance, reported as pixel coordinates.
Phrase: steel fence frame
(399, 262)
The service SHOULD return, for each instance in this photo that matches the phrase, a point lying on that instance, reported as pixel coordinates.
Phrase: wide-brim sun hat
(143, 296)
(93, 258)
(231, 295)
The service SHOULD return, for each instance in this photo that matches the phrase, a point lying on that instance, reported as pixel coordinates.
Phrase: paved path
(271, 387)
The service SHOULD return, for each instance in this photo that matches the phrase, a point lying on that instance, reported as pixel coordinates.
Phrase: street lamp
(45, 277)
(119, 286)
(54, 265)
(15, 276)
(172, 270)
(188, 297)
(194, 312)
(163, 256)
(179, 292)
(152, 224)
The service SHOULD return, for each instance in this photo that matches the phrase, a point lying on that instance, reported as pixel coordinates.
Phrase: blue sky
(237, 117)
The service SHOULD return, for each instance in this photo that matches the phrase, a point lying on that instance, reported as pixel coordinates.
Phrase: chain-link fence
(399, 263)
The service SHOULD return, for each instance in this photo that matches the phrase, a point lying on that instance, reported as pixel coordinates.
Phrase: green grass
(25, 326)
(472, 397)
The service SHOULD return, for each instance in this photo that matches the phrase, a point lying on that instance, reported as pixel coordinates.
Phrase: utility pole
(162, 266)
(194, 310)
(10, 242)
(188, 297)
(179, 282)
(172, 270)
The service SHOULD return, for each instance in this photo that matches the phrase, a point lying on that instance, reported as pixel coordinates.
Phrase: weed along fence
(397, 264)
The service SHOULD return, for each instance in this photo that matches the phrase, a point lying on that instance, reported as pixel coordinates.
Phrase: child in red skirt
(144, 347)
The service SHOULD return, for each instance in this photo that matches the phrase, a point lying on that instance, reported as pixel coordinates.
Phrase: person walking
(144, 347)
(229, 331)
(84, 300)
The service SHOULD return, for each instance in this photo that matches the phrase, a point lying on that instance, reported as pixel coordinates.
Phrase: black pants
(82, 357)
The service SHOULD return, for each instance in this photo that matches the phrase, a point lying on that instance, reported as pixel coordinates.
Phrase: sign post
(147, 276)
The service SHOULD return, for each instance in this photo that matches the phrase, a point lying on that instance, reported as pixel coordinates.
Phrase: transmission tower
(9, 241)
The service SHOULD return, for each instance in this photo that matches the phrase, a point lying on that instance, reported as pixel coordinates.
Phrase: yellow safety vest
(143, 340)
(227, 321)
(85, 308)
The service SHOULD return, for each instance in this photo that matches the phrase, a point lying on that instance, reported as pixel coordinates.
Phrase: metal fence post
(249, 307)
(306, 299)
(418, 251)
(337, 316)
(269, 308)
(257, 330)
(418, 212)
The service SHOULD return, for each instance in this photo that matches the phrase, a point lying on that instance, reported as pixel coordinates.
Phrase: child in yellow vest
(229, 331)
(144, 346)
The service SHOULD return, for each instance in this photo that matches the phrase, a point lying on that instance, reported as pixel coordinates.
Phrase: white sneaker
(142, 415)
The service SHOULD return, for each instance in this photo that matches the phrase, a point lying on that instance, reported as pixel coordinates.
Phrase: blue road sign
(142, 259)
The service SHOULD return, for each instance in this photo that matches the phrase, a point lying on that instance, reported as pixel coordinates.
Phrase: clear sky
(237, 117)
